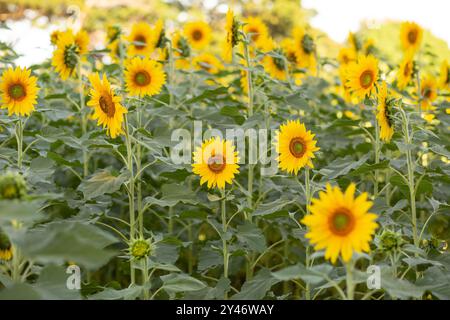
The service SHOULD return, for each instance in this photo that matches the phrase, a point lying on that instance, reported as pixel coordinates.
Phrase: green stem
(138, 169)
(307, 249)
(377, 154)
(145, 279)
(83, 118)
(224, 241)
(19, 138)
(130, 193)
(349, 278)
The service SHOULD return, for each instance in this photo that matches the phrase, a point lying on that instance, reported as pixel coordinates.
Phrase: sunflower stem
(307, 249)
(19, 138)
(83, 118)
(377, 154)
(349, 280)
(130, 194)
(224, 239)
(410, 169)
(138, 170)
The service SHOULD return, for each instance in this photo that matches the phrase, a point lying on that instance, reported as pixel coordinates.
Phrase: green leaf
(252, 237)
(257, 288)
(181, 283)
(101, 183)
(272, 207)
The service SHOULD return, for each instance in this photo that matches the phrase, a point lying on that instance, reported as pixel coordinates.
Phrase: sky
(338, 17)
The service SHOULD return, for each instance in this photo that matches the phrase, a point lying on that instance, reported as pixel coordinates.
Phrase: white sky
(338, 17)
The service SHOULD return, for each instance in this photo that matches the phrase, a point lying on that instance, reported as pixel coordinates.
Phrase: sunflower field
(185, 161)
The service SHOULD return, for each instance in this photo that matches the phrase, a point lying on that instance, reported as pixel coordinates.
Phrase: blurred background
(30, 22)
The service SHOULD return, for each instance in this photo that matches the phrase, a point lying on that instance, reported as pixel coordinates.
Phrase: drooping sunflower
(159, 34)
(216, 162)
(444, 78)
(144, 76)
(115, 48)
(275, 64)
(355, 41)
(107, 107)
(384, 114)
(340, 223)
(232, 37)
(181, 50)
(82, 40)
(207, 62)
(257, 30)
(295, 146)
(428, 90)
(68, 53)
(361, 76)
(113, 32)
(411, 36)
(19, 91)
(198, 34)
(304, 42)
(369, 47)
(290, 52)
(141, 40)
(405, 71)
(346, 55)
(5, 247)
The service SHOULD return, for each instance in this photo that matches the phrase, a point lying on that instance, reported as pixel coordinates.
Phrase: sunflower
(405, 71)
(306, 47)
(113, 33)
(257, 30)
(5, 247)
(216, 162)
(275, 64)
(232, 38)
(141, 40)
(346, 55)
(198, 34)
(207, 62)
(115, 48)
(19, 91)
(159, 34)
(354, 41)
(54, 36)
(295, 146)
(361, 76)
(384, 114)
(444, 79)
(69, 50)
(428, 92)
(107, 107)
(411, 36)
(340, 223)
(369, 47)
(290, 52)
(144, 77)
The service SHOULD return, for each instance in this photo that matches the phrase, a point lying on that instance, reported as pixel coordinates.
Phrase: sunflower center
(307, 44)
(255, 33)
(142, 78)
(412, 36)
(142, 41)
(426, 92)
(217, 163)
(366, 79)
(407, 70)
(17, 91)
(342, 222)
(197, 35)
(107, 105)
(297, 147)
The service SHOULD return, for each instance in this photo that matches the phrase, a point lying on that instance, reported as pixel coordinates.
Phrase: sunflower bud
(439, 227)
(5, 247)
(390, 241)
(12, 186)
(140, 249)
(308, 44)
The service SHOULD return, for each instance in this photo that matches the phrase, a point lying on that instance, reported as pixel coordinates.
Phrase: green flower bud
(390, 241)
(140, 248)
(12, 186)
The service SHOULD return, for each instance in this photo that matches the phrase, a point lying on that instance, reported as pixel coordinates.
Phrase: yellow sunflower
(158, 34)
(69, 51)
(141, 40)
(54, 36)
(198, 34)
(306, 47)
(216, 162)
(444, 79)
(369, 47)
(411, 36)
(405, 71)
(207, 62)
(113, 32)
(428, 90)
(291, 53)
(114, 50)
(340, 223)
(384, 114)
(232, 38)
(144, 77)
(107, 107)
(275, 64)
(5, 247)
(19, 91)
(295, 146)
(354, 41)
(346, 55)
(257, 30)
(361, 76)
